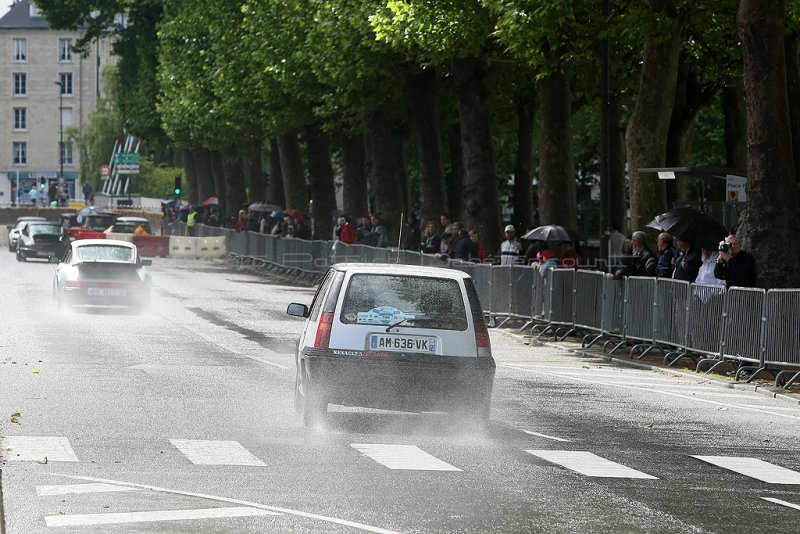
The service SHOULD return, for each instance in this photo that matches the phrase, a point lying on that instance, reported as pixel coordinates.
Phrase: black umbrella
(696, 228)
(551, 232)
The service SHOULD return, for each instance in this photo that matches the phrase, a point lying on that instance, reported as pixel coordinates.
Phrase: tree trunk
(522, 200)
(772, 194)
(421, 93)
(255, 171)
(481, 205)
(218, 173)
(276, 195)
(649, 123)
(190, 170)
(616, 157)
(386, 189)
(235, 194)
(454, 179)
(320, 181)
(735, 137)
(205, 177)
(680, 125)
(294, 181)
(792, 47)
(354, 175)
(557, 201)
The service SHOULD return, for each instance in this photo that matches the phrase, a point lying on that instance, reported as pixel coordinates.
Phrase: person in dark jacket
(411, 233)
(642, 263)
(464, 248)
(688, 262)
(736, 266)
(431, 242)
(666, 256)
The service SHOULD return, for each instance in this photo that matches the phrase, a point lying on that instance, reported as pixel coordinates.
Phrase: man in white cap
(511, 248)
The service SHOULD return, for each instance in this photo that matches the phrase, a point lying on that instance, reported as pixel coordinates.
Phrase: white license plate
(43, 253)
(106, 292)
(391, 342)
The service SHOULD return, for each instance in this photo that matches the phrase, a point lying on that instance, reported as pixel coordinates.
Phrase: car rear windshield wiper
(398, 323)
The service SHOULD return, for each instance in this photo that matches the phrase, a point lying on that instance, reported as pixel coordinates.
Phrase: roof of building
(19, 18)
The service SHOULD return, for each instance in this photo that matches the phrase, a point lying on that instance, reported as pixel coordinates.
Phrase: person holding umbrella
(688, 262)
(736, 266)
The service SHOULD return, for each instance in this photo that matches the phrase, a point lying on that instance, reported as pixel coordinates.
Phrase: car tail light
(134, 285)
(324, 330)
(482, 340)
(73, 283)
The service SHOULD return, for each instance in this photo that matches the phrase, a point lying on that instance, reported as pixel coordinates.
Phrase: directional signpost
(127, 162)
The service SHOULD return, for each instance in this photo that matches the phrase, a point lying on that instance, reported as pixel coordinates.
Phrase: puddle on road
(275, 344)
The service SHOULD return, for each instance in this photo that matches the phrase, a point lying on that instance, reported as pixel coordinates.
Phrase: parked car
(13, 230)
(90, 223)
(102, 272)
(41, 240)
(394, 337)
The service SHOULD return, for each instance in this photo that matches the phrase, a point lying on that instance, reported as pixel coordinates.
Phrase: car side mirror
(491, 321)
(297, 310)
(147, 263)
(55, 259)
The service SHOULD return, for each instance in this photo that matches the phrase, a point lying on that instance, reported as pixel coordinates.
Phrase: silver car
(394, 337)
(102, 272)
(14, 230)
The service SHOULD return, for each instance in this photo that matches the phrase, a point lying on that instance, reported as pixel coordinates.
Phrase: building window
(65, 50)
(65, 83)
(20, 119)
(20, 149)
(19, 50)
(20, 84)
(66, 153)
(67, 120)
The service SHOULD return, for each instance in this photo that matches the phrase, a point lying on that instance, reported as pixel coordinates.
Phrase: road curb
(769, 391)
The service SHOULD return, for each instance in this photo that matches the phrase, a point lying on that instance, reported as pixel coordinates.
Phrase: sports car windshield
(46, 229)
(104, 253)
(412, 301)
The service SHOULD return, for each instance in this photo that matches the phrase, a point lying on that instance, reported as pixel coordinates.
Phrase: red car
(88, 223)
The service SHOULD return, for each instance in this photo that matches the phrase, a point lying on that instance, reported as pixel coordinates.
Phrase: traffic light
(178, 187)
(42, 183)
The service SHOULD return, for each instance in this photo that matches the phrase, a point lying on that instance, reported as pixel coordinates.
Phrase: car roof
(132, 219)
(402, 270)
(30, 218)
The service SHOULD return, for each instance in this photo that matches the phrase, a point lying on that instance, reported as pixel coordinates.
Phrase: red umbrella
(210, 201)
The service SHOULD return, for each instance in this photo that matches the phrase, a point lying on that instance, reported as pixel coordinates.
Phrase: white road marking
(754, 468)
(782, 503)
(208, 452)
(289, 511)
(589, 464)
(403, 457)
(37, 448)
(649, 390)
(149, 517)
(544, 435)
(66, 489)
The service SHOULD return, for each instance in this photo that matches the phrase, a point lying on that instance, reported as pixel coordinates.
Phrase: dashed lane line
(408, 457)
(37, 449)
(589, 464)
(782, 503)
(211, 452)
(754, 468)
(545, 436)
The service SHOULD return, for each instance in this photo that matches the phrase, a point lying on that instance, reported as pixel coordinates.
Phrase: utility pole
(60, 133)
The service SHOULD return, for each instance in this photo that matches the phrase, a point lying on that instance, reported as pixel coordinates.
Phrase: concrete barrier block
(210, 247)
(182, 247)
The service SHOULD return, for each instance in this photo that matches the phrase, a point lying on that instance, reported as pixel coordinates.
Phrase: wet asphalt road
(140, 418)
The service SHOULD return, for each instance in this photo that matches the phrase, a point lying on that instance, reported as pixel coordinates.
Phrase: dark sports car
(14, 229)
(42, 240)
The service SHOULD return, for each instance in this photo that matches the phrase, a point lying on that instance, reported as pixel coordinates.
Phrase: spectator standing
(380, 230)
(462, 250)
(191, 222)
(705, 275)
(448, 245)
(365, 234)
(736, 266)
(301, 229)
(346, 233)
(479, 250)
(87, 192)
(571, 255)
(511, 248)
(447, 225)
(642, 263)
(52, 194)
(666, 256)
(688, 262)
(431, 242)
(33, 195)
(545, 260)
(411, 234)
(241, 221)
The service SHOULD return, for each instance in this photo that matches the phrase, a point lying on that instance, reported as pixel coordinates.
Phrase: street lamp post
(60, 132)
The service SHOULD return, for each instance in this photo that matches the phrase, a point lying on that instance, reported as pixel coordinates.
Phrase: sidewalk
(654, 361)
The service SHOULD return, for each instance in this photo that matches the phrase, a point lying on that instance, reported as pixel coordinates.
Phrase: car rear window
(413, 301)
(44, 229)
(104, 253)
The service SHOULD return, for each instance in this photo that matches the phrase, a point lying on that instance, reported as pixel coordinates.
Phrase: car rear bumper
(42, 252)
(399, 380)
(133, 298)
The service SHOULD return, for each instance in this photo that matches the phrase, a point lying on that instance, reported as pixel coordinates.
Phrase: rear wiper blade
(398, 323)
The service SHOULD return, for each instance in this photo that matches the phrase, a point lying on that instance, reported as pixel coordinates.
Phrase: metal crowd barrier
(752, 327)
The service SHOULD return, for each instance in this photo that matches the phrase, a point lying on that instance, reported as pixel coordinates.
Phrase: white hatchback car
(394, 337)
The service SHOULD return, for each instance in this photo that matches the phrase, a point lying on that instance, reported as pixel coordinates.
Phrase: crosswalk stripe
(37, 449)
(782, 503)
(589, 464)
(152, 516)
(754, 468)
(210, 452)
(554, 438)
(66, 489)
(403, 457)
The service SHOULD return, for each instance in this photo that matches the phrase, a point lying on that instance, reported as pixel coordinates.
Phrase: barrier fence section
(743, 325)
